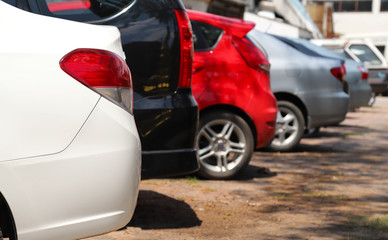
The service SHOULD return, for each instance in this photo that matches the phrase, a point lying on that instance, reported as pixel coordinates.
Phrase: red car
(231, 84)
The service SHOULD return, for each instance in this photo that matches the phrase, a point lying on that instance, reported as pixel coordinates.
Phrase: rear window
(205, 36)
(84, 10)
(340, 51)
(365, 54)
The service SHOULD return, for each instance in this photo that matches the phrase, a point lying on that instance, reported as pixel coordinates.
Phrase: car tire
(225, 145)
(289, 127)
(372, 99)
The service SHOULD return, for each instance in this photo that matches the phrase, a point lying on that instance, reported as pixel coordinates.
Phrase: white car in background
(362, 50)
(70, 153)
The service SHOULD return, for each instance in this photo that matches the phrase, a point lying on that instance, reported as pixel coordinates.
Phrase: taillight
(251, 54)
(339, 72)
(364, 72)
(104, 72)
(187, 49)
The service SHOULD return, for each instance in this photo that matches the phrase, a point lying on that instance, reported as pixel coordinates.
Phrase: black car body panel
(166, 116)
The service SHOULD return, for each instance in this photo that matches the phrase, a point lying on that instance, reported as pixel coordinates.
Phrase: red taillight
(364, 72)
(251, 54)
(339, 72)
(187, 50)
(102, 71)
(68, 5)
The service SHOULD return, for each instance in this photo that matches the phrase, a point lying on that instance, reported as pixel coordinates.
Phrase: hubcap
(221, 145)
(286, 127)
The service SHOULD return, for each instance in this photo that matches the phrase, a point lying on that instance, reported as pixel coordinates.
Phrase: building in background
(357, 16)
(349, 19)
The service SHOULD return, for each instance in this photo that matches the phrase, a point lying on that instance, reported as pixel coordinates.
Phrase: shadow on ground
(157, 211)
(252, 172)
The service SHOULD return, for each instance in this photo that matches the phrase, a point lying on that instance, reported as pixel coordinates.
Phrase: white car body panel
(25, 57)
(69, 158)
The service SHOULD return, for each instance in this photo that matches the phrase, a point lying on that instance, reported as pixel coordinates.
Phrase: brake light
(187, 50)
(339, 72)
(104, 72)
(253, 56)
(364, 72)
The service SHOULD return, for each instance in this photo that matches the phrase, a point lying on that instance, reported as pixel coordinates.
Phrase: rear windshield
(339, 51)
(205, 36)
(365, 54)
(84, 10)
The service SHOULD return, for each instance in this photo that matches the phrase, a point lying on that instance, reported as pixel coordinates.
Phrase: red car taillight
(104, 72)
(339, 72)
(364, 72)
(187, 49)
(251, 54)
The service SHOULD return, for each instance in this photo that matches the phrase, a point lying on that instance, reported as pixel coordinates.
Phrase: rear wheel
(289, 127)
(372, 99)
(225, 145)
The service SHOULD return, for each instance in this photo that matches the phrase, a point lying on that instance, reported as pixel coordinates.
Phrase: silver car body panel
(358, 89)
(307, 78)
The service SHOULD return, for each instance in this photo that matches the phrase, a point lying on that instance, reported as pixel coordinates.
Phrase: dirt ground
(333, 186)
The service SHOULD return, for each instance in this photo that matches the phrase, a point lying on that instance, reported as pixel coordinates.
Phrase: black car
(156, 38)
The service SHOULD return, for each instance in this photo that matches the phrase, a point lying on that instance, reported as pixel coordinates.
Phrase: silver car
(356, 82)
(309, 89)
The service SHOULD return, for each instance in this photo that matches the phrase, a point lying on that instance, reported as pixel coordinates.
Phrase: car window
(381, 49)
(205, 36)
(84, 10)
(365, 54)
(339, 51)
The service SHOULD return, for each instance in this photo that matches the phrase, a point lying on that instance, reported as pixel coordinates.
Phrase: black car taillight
(364, 72)
(339, 72)
(104, 72)
(187, 49)
(253, 56)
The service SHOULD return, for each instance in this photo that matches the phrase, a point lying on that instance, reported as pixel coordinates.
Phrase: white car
(70, 153)
(362, 51)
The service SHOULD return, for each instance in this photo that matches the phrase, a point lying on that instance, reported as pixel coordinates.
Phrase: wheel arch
(283, 96)
(7, 223)
(235, 110)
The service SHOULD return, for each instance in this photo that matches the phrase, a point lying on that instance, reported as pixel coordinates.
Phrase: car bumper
(265, 124)
(378, 80)
(262, 110)
(379, 88)
(167, 126)
(359, 95)
(89, 188)
(169, 163)
(326, 109)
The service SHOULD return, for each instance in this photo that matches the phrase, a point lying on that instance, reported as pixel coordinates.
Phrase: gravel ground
(333, 186)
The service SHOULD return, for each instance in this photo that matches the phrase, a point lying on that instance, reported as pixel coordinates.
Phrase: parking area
(333, 186)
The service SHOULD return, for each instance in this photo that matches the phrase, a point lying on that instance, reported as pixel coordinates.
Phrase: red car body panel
(221, 77)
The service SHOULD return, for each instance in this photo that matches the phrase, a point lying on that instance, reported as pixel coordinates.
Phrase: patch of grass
(370, 222)
(378, 223)
(181, 199)
(280, 195)
(321, 195)
(335, 178)
(192, 180)
(209, 189)
(349, 134)
(228, 214)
